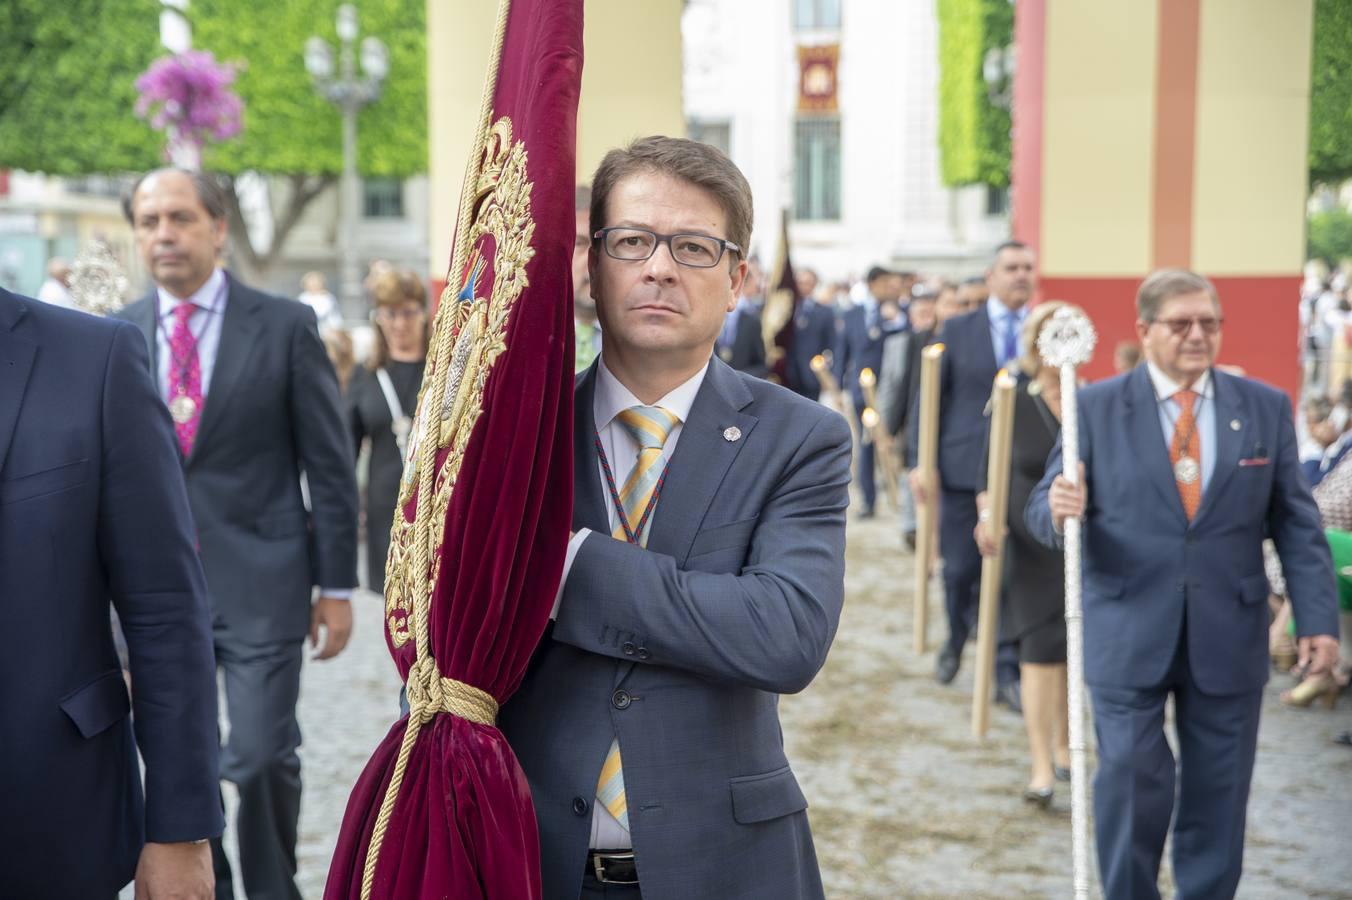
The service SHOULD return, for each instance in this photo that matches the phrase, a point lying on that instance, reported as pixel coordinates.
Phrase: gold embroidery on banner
(469, 334)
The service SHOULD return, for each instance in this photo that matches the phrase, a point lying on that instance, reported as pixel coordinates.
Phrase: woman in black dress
(1033, 611)
(381, 401)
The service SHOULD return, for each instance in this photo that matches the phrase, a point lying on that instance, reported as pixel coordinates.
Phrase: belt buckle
(599, 868)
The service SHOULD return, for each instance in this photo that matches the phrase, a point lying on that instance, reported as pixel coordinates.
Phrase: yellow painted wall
(631, 86)
(1253, 100)
(1098, 130)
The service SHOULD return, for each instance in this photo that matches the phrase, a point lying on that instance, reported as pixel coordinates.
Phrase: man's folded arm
(155, 579)
(769, 627)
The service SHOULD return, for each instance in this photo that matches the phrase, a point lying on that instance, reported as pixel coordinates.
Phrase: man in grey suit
(705, 576)
(255, 405)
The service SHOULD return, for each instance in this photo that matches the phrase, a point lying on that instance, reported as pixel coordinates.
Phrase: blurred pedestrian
(896, 396)
(92, 508)
(342, 354)
(315, 295)
(56, 288)
(977, 345)
(381, 405)
(859, 346)
(1033, 596)
(586, 328)
(1126, 356)
(741, 343)
(972, 293)
(255, 404)
(1186, 470)
(814, 334)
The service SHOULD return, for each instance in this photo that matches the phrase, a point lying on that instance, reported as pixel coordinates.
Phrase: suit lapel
(16, 361)
(144, 314)
(702, 459)
(1230, 407)
(589, 501)
(986, 349)
(1143, 426)
(240, 329)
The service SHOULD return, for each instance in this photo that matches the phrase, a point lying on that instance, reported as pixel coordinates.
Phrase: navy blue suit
(859, 346)
(966, 373)
(93, 508)
(814, 333)
(1178, 607)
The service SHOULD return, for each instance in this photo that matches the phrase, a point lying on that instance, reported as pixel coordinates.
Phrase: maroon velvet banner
(477, 549)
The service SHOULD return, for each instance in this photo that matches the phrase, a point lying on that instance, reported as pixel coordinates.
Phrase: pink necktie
(185, 379)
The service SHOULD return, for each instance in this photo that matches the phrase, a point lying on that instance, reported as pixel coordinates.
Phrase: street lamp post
(349, 92)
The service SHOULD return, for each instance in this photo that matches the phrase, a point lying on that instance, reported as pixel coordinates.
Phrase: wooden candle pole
(926, 512)
(884, 458)
(992, 567)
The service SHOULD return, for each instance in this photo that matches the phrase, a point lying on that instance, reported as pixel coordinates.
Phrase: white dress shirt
(1001, 316)
(205, 322)
(1204, 409)
(609, 400)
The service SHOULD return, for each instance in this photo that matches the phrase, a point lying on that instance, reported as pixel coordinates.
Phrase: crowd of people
(212, 453)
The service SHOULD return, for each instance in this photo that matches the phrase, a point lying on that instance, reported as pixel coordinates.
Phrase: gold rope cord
(468, 701)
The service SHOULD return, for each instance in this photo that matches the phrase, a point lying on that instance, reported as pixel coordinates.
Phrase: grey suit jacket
(272, 412)
(683, 648)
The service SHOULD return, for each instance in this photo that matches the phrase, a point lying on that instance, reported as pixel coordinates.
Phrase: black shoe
(865, 513)
(1062, 772)
(909, 538)
(1008, 695)
(946, 666)
(1343, 737)
(1041, 797)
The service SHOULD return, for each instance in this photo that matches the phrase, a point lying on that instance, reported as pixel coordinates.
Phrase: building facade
(831, 109)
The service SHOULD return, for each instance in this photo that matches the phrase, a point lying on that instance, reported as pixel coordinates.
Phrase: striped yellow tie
(649, 427)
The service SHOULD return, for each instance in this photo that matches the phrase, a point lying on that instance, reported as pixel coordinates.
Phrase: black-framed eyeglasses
(1180, 327)
(699, 251)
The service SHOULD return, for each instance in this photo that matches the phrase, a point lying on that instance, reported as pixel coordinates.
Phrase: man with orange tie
(254, 401)
(705, 576)
(1186, 470)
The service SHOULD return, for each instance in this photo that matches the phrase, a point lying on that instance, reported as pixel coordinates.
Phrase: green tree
(973, 131)
(67, 85)
(67, 96)
(1331, 93)
(1330, 236)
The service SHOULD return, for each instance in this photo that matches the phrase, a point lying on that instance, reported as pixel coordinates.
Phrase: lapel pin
(1234, 424)
(732, 433)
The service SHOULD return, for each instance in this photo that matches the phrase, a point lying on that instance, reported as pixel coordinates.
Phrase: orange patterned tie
(1185, 454)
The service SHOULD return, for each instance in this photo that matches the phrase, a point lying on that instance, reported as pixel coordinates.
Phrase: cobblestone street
(904, 802)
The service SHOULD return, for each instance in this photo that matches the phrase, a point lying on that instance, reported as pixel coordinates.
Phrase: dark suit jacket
(814, 333)
(92, 508)
(859, 347)
(1147, 570)
(747, 353)
(966, 375)
(683, 648)
(272, 412)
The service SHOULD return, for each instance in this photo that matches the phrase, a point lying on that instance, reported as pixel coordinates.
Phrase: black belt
(613, 866)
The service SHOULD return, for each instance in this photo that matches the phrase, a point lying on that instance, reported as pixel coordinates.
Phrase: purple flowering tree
(188, 96)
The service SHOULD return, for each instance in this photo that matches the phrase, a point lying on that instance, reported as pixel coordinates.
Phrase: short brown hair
(395, 288)
(1162, 284)
(209, 190)
(699, 164)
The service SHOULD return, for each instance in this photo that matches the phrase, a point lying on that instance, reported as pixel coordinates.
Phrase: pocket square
(1255, 461)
